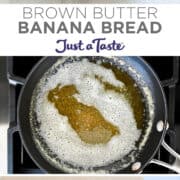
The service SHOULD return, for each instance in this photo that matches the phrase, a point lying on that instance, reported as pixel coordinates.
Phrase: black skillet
(156, 135)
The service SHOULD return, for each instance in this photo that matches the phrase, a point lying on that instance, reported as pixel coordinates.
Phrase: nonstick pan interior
(146, 78)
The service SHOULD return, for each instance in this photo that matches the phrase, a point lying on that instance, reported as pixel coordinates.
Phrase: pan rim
(165, 110)
(41, 61)
(18, 118)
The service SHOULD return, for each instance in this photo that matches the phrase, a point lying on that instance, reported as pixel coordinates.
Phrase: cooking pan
(142, 157)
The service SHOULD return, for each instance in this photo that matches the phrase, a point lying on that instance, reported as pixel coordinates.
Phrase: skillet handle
(175, 166)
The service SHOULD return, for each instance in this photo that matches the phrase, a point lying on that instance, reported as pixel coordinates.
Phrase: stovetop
(167, 68)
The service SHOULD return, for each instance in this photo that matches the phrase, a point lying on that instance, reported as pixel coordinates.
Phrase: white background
(164, 43)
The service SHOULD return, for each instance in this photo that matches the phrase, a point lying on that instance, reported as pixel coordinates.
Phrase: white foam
(59, 135)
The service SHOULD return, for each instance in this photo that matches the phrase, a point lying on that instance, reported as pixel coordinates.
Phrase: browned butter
(86, 120)
(131, 93)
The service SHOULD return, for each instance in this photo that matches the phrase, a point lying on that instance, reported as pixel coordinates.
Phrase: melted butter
(131, 93)
(109, 86)
(87, 121)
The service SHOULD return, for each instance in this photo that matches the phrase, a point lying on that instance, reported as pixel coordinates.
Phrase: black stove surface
(167, 68)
